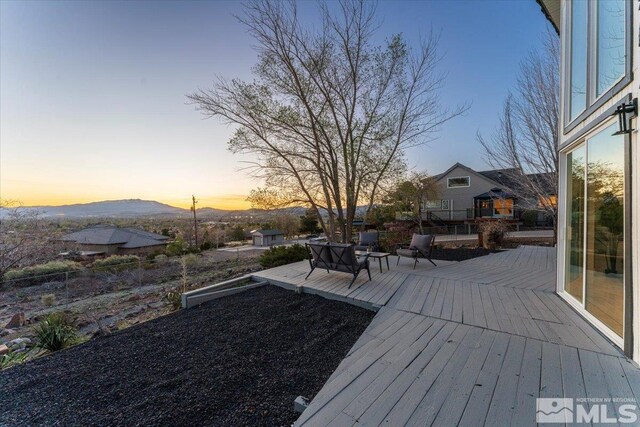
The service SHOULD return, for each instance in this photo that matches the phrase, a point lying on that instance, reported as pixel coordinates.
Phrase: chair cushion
(366, 238)
(343, 253)
(422, 242)
(411, 253)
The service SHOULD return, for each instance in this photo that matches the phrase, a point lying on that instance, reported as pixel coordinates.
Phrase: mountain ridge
(124, 208)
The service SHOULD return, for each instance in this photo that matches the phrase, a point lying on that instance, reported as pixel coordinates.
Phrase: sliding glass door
(594, 250)
(574, 264)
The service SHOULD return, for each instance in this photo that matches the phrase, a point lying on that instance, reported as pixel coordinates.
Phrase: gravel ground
(239, 360)
(458, 254)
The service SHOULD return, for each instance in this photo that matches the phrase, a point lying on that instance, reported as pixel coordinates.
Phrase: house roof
(268, 232)
(110, 235)
(507, 178)
(551, 9)
(503, 177)
(495, 193)
(485, 174)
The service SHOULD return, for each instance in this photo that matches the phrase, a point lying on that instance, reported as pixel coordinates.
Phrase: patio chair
(421, 246)
(337, 257)
(368, 239)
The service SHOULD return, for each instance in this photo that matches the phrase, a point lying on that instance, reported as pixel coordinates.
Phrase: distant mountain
(131, 208)
(112, 208)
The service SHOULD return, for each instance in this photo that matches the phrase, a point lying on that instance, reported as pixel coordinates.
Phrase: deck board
(469, 343)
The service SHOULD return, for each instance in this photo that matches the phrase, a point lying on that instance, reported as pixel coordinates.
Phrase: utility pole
(195, 221)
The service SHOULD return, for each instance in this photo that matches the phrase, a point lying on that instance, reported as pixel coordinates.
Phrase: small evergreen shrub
(281, 255)
(177, 247)
(48, 300)
(174, 298)
(55, 332)
(116, 260)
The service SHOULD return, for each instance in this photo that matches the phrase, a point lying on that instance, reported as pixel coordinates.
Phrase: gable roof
(110, 235)
(507, 178)
(468, 169)
(268, 232)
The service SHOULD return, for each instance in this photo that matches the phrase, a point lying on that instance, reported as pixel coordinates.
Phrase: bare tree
(25, 238)
(409, 197)
(525, 143)
(288, 224)
(330, 113)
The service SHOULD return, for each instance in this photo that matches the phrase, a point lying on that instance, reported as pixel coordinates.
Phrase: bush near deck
(281, 255)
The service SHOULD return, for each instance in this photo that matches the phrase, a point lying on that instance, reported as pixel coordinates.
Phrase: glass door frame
(624, 342)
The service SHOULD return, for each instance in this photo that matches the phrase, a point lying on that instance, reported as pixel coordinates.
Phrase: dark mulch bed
(459, 254)
(239, 360)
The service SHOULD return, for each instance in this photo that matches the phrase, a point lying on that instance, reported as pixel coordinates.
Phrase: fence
(112, 290)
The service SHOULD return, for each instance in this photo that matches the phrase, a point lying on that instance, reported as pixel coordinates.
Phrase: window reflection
(610, 42)
(575, 221)
(605, 229)
(578, 78)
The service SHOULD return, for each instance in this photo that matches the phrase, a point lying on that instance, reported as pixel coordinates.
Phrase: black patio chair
(337, 257)
(421, 246)
(368, 239)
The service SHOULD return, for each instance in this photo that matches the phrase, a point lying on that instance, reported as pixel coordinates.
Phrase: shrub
(55, 332)
(190, 260)
(177, 247)
(48, 300)
(281, 255)
(116, 261)
(51, 271)
(493, 232)
(175, 299)
(12, 358)
(160, 258)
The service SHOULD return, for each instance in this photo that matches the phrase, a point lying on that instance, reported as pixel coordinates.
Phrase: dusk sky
(93, 106)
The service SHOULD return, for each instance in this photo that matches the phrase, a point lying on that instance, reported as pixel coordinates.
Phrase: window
(610, 43)
(445, 205)
(434, 204)
(503, 207)
(594, 247)
(548, 201)
(598, 62)
(578, 78)
(460, 181)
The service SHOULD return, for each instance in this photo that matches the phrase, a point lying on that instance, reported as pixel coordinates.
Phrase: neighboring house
(466, 194)
(267, 237)
(599, 173)
(110, 240)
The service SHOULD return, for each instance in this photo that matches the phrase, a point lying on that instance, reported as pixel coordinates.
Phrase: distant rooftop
(128, 238)
(268, 232)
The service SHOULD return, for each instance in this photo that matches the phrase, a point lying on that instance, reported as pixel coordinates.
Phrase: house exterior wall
(114, 249)
(270, 240)
(107, 249)
(573, 135)
(142, 251)
(460, 198)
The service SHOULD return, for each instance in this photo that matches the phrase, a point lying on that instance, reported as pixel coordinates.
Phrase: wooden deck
(470, 343)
